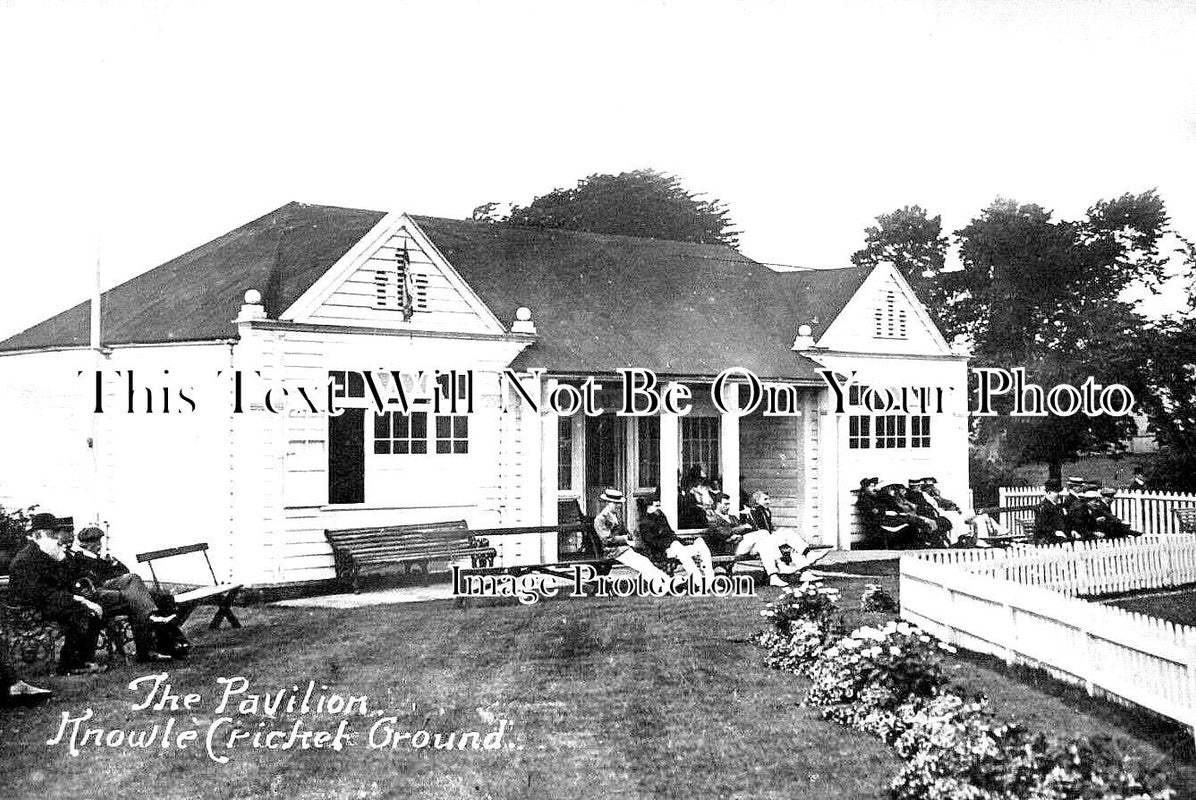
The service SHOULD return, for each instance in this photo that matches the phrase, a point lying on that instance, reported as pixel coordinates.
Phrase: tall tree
(643, 202)
(1170, 401)
(911, 240)
(1045, 294)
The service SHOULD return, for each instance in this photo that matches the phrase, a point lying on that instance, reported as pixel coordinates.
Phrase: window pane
(443, 427)
(381, 426)
(356, 385)
(564, 453)
(402, 425)
(460, 447)
(419, 446)
(419, 425)
(382, 447)
(443, 447)
(461, 427)
(401, 448)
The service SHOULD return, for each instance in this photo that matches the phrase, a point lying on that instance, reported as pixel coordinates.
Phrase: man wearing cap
(878, 516)
(119, 591)
(1052, 520)
(616, 540)
(1071, 497)
(41, 577)
(1109, 524)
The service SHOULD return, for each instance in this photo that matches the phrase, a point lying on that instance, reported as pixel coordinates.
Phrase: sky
(135, 131)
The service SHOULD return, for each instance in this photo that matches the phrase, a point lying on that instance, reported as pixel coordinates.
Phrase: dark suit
(38, 581)
(655, 536)
(1052, 522)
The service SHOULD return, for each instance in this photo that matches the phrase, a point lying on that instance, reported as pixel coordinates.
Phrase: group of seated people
(915, 514)
(1083, 511)
(784, 554)
(79, 588)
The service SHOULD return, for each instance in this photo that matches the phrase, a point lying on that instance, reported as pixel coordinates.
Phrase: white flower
(850, 644)
(904, 628)
(947, 647)
(895, 651)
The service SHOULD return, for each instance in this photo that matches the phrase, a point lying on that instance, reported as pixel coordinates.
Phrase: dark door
(346, 457)
(606, 458)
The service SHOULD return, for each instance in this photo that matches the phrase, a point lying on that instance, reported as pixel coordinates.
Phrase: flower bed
(890, 681)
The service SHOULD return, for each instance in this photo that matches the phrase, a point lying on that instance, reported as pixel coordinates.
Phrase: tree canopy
(1043, 294)
(643, 202)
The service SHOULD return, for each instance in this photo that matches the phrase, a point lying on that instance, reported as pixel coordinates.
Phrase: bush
(811, 602)
(876, 599)
(876, 669)
(14, 530)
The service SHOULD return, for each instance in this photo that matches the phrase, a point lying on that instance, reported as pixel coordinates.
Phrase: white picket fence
(1086, 568)
(1126, 656)
(1021, 604)
(1149, 512)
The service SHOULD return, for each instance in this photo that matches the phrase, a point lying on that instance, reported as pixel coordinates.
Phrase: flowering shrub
(863, 678)
(875, 598)
(799, 651)
(890, 681)
(811, 602)
(956, 750)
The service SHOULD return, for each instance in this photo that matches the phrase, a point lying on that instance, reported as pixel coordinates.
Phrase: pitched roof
(196, 296)
(600, 302)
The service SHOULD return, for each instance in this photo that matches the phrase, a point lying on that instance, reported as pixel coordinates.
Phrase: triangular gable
(366, 287)
(885, 316)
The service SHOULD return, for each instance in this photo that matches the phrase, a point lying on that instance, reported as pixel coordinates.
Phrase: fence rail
(1085, 568)
(1110, 651)
(1149, 512)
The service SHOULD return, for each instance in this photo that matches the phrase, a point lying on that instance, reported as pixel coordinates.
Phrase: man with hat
(616, 539)
(882, 521)
(41, 577)
(1109, 524)
(1071, 497)
(119, 591)
(1052, 520)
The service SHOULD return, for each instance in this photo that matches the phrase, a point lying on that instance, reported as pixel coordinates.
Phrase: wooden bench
(187, 601)
(354, 549)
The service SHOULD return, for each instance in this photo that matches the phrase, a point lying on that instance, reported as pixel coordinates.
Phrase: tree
(1044, 294)
(912, 241)
(643, 202)
(1170, 401)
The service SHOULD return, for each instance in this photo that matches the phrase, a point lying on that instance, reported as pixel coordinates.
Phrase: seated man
(616, 542)
(41, 578)
(926, 529)
(1052, 520)
(119, 591)
(886, 523)
(927, 506)
(1108, 524)
(794, 550)
(731, 537)
(982, 525)
(657, 538)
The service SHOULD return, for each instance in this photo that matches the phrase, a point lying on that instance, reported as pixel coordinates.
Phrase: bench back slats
(171, 551)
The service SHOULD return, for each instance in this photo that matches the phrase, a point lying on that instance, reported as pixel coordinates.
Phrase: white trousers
(688, 554)
(641, 564)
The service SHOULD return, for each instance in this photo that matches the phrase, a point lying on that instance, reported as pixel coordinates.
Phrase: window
(649, 438)
(859, 432)
(890, 431)
(347, 384)
(888, 316)
(564, 454)
(699, 443)
(452, 433)
(401, 434)
(919, 431)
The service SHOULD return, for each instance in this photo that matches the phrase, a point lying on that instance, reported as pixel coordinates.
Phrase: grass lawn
(1177, 606)
(637, 697)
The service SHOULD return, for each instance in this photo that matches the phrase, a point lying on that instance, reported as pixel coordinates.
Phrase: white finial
(523, 321)
(804, 339)
(252, 308)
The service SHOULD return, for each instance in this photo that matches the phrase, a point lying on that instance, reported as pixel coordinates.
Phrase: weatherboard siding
(354, 302)
(399, 489)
